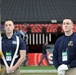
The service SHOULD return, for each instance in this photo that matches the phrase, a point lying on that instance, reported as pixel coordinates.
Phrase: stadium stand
(38, 11)
(37, 14)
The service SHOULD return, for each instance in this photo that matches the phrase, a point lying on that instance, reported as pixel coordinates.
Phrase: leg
(71, 71)
(47, 59)
(16, 72)
(41, 59)
(3, 70)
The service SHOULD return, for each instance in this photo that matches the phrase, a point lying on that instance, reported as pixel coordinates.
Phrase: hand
(62, 72)
(63, 67)
(10, 69)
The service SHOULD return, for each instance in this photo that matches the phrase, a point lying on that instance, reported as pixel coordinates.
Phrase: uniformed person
(9, 43)
(64, 54)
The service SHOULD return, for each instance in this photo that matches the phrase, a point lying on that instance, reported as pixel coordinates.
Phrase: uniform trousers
(16, 72)
(71, 71)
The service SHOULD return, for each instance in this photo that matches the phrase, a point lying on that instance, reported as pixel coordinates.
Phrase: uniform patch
(14, 42)
(70, 43)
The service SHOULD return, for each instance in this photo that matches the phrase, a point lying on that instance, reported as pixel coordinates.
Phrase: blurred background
(40, 21)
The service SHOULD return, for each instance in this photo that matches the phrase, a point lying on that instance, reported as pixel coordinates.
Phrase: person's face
(16, 29)
(67, 25)
(9, 27)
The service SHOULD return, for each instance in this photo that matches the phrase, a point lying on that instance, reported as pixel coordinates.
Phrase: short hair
(68, 19)
(9, 20)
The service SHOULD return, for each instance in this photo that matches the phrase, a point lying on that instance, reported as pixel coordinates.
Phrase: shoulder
(58, 42)
(60, 39)
(21, 40)
(22, 45)
(74, 35)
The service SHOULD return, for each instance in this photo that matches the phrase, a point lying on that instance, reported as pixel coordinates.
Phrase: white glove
(62, 67)
(62, 72)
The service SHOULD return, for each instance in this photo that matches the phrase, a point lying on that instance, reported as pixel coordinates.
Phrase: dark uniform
(9, 47)
(65, 45)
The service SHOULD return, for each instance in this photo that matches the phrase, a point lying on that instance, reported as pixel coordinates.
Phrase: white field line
(38, 71)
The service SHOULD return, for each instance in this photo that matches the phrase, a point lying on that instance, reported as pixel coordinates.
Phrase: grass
(37, 67)
(39, 74)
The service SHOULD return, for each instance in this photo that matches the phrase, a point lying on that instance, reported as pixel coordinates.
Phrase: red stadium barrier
(36, 28)
(34, 59)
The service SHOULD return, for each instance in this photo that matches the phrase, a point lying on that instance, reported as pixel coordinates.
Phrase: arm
(22, 33)
(72, 64)
(73, 58)
(55, 56)
(19, 62)
(21, 59)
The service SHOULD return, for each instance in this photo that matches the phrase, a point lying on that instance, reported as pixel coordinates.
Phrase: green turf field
(37, 67)
(43, 68)
(38, 74)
